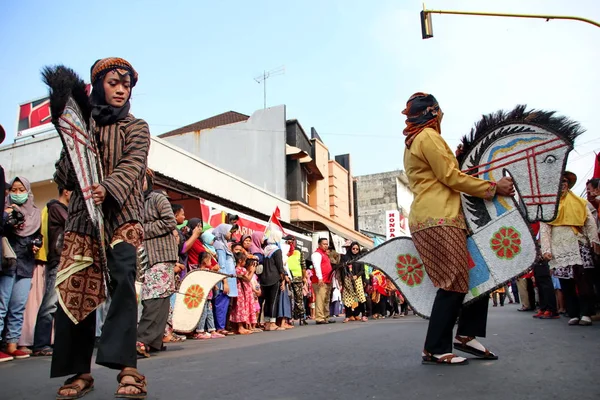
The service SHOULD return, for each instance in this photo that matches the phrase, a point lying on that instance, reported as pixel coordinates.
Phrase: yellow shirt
(42, 254)
(436, 181)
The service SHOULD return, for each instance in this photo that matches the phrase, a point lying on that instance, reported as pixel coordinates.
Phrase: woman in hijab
(256, 245)
(353, 292)
(272, 279)
(123, 143)
(567, 244)
(24, 236)
(246, 242)
(228, 288)
(439, 231)
(195, 244)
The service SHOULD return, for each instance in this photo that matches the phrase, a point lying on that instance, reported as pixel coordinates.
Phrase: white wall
(34, 159)
(404, 196)
(253, 150)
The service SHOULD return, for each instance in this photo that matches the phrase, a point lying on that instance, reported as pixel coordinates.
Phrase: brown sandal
(140, 383)
(141, 350)
(464, 347)
(80, 392)
(444, 359)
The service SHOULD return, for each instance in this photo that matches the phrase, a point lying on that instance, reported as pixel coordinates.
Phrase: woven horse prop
(71, 115)
(531, 147)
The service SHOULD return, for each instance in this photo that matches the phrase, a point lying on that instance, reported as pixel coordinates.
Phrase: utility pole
(427, 28)
(263, 79)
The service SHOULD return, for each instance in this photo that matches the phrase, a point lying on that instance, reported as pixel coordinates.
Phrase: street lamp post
(427, 28)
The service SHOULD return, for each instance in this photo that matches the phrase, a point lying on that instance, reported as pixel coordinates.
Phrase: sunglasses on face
(355, 248)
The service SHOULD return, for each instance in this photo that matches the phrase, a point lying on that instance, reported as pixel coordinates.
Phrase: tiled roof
(229, 117)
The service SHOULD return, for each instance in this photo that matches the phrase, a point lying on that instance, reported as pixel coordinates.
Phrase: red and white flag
(274, 224)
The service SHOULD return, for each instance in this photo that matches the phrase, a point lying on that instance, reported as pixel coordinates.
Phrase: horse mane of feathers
(562, 126)
(63, 83)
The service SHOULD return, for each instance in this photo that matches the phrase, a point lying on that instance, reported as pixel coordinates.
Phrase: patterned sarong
(80, 280)
(353, 293)
(443, 250)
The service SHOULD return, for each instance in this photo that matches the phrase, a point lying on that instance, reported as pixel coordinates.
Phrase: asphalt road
(375, 360)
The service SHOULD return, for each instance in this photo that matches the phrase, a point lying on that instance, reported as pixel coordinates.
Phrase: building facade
(378, 194)
(229, 163)
(277, 155)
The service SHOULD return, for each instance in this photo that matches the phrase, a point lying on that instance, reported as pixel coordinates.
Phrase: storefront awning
(296, 153)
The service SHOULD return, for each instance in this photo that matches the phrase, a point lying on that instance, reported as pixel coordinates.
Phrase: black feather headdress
(63, 83)
(562, 126)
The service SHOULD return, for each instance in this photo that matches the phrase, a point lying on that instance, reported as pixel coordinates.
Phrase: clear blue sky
(350, 65)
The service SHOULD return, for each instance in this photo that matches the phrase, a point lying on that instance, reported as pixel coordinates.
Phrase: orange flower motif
(193, 296)
(506, 242)
(410, 270)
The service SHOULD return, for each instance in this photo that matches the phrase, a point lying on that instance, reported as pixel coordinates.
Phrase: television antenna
(263, 79)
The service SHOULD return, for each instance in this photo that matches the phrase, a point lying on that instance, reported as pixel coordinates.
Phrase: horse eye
(549, 159)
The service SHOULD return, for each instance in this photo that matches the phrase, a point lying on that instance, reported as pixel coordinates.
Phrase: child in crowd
(560, 301)
(206, 327)
(242, 313)
(256, 306)
(308, 292)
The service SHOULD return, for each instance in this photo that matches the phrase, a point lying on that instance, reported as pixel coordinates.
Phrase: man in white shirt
(323, 271)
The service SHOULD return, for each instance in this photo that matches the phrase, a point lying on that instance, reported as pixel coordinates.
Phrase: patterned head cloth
(422, 111)
(101, 67)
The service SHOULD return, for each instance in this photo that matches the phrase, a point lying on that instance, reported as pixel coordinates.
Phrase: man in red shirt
(322, 267)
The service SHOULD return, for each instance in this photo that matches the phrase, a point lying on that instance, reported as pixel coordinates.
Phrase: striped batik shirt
(159, 224)
(123, 152)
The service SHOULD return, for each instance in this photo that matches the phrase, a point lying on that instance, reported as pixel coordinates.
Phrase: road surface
(539, 359)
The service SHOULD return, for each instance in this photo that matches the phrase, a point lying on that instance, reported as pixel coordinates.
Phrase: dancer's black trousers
(446, 309)
(74, 344)
(546, 293)
(153, 322)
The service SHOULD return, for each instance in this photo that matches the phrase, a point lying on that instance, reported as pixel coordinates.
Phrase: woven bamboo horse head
(532, 148)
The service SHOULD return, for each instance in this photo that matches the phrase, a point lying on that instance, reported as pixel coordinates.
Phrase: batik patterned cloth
(158, 281)
(354, 293)
(297, 286)
(113, 63)
(81, 286)
(445, 256)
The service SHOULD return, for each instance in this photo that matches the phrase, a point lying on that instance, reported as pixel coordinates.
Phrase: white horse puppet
(531, 147)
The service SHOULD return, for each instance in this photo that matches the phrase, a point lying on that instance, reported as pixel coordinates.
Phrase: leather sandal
(442, 359)
(140, 384)
(79, 391)
(464, 347)
(142, 350)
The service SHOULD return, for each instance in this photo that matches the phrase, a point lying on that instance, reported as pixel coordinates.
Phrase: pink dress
(243, 311)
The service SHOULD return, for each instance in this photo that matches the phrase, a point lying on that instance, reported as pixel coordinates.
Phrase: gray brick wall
(378, 193)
